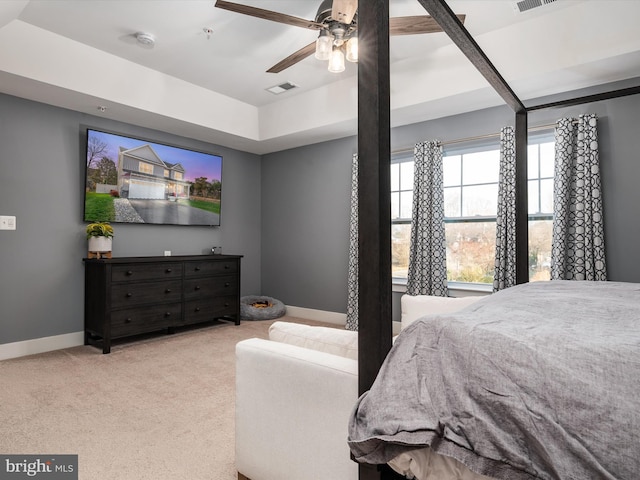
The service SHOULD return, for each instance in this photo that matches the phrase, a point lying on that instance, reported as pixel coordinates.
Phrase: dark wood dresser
(132, 295)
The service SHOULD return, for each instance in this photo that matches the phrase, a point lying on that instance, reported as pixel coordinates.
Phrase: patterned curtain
(578, 231)
(505, 267)
(428, 249)
(352, 278)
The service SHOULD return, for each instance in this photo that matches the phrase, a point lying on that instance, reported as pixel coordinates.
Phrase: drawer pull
(197, 287)
(226, 304)
(129, 294)
(197, 269)
(168, 314)
(168, 270)
(127, 320)
(168, 290)
(197, 309)
(129, 273)
(227, 267)
(227, 284)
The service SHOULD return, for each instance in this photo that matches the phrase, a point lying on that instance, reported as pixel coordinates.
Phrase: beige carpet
(160, 407)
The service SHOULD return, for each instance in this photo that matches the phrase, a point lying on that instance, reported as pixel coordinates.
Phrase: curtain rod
(478, 137)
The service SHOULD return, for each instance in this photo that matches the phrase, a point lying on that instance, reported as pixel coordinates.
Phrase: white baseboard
(40, 345)
(317, 315)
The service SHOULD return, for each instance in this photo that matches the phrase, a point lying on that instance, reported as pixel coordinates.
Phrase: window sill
(456, 289)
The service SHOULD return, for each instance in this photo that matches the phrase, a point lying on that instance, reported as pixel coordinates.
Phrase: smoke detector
(146, 39)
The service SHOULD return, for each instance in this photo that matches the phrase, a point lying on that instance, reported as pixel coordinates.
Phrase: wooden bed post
(374, 197)
(522, 203)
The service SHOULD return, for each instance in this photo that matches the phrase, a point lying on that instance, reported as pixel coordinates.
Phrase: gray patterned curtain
(505, 267)
(578, 231)
(428, 249)
(352, 277)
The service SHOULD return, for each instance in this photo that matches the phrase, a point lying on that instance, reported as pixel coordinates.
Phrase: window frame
(475, 146)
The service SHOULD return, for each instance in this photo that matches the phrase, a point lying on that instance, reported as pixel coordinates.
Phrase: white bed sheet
(425, 464)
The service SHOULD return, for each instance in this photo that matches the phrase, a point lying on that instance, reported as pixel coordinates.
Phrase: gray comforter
(540, 380)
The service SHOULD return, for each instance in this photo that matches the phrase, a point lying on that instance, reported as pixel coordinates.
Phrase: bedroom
(40, 149)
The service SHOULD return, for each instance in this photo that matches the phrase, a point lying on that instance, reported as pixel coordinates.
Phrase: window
(401, 205)
(540, 169)
(470, 208)
(470, 197)
(145, 168)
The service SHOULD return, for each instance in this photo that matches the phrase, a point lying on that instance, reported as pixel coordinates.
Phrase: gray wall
(305, 198)
(41, 183)
(287, 213)
(305, 224)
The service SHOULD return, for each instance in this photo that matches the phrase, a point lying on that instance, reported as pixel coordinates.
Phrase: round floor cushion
(258, 307)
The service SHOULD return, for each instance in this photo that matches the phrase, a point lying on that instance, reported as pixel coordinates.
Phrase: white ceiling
(80, 54)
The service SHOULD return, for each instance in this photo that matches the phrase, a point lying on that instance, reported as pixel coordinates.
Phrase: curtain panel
(428, 248)
(578, 229)
(352, 275)
(505, 266)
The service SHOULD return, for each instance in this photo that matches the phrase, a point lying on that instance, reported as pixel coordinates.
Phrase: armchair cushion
(416, 306)
(336, 341)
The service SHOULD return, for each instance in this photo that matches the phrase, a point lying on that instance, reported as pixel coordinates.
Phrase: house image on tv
(143, 174)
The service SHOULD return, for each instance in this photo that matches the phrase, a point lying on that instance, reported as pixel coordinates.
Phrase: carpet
(157, 407)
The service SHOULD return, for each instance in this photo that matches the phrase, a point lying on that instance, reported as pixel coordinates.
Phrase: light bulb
(324, 45)
(352, 49)
(336, 61)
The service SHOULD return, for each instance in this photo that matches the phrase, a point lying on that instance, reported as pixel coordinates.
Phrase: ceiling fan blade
(344, 10)
(269, 15)
(294, 58)
(416, 24)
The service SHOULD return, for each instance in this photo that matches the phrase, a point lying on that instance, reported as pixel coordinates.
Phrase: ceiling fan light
(324, 44)
(352, 49)
(336, 61)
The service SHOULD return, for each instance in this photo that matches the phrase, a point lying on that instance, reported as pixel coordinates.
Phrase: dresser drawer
(208, 286)
(155, 271)
(130, 294)
(196, 311)
(193, 269)
(144, 319)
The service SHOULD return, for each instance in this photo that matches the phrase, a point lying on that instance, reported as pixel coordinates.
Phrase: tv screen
(130, 180)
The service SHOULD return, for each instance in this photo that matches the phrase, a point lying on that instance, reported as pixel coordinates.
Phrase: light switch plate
(7, 222)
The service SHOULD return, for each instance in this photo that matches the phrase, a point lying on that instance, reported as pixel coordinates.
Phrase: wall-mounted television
(131, 180)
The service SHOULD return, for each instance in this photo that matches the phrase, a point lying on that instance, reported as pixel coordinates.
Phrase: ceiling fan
(337, 23)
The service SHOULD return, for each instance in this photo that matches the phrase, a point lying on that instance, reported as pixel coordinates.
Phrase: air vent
(524, 5)
(283, 87)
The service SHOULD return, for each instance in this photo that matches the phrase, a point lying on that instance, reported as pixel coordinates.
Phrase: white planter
(100, 244)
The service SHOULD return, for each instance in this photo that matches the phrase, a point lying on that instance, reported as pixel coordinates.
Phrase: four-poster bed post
(374, 192)
(374, 197)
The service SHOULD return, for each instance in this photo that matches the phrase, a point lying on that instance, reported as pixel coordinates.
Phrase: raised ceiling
(211, 85)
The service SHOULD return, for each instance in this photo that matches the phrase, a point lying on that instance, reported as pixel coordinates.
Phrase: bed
(541, 380)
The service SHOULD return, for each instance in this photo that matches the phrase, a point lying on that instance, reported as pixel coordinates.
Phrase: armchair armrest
(292, 411)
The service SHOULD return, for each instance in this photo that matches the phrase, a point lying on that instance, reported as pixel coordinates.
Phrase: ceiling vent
(283, 87)
(525, 5)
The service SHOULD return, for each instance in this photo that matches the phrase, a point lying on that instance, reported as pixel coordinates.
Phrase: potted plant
(100, 236)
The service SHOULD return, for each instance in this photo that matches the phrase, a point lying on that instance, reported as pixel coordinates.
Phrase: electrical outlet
(7, 222)
(167, 253)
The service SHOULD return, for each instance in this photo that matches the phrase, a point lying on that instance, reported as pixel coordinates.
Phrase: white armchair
(295, 393)
(292, 408)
